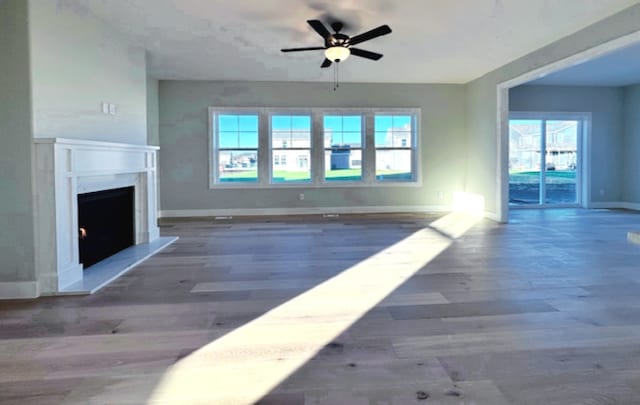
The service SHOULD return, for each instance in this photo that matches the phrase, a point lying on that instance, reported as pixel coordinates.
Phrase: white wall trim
(631, 206)
(18, 290)
(492, 216)
(302, 211)
(601, 205)
(615, 205)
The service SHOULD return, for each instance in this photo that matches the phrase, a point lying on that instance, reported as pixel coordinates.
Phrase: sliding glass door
(544, 157)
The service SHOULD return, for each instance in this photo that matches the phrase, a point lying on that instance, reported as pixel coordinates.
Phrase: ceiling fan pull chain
(336, 76)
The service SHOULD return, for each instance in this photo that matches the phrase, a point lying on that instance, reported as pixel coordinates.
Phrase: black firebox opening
(106, 222)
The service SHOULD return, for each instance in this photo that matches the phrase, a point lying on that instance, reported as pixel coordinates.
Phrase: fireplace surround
(65, 168)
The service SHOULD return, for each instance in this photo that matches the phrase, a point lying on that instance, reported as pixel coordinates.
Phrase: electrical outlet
(301, 196)
(112, 109)
(105, 108)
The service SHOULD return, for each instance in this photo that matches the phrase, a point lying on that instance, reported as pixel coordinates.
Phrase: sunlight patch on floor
(249, 362)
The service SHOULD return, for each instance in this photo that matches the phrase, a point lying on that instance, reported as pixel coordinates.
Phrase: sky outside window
(343, 130)
(238, 131)
(391, 129)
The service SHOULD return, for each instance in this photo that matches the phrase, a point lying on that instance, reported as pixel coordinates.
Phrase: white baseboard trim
(605, 205)
(302, 211)
(18, 290)
(492, 216)
(615, 205)
(631, 206)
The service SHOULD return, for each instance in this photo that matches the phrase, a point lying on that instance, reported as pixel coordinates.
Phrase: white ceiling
(618, 68)
(433, 41)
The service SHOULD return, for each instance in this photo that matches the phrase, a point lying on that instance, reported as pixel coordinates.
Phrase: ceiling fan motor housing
(338, 40)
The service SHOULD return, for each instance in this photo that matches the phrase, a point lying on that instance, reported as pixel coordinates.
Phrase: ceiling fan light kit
(337, 46)
(337, 53)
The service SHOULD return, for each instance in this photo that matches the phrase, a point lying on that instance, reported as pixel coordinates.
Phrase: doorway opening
(502, 179)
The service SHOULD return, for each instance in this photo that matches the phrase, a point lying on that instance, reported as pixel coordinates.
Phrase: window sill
(276, 186)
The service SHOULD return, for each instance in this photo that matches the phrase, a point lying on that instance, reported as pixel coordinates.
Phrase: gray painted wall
(607, 131)
(183, 159)
(153, 119)
(58, 66)
(482, 168)
(631, 170)
(78, 62)
(16, 204)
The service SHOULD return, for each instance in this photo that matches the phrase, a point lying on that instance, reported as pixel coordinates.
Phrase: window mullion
(369, 149)
(414, 148)
(213, 149)
(317, 147)
(264, 148)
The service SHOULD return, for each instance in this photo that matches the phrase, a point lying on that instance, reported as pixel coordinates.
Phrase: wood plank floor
(370, 309)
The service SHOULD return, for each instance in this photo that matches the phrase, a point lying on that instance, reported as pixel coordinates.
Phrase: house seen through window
(394, 151)
(291, 143)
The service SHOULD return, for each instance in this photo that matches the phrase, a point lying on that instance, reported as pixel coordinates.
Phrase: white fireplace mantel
(65, 168)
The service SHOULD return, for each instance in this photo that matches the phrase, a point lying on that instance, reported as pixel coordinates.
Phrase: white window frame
(414, 148)
(285, 147)
(317, 158)
(363, 143)
(214, 166)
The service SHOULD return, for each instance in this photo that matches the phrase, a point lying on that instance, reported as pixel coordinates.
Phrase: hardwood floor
(370, 309)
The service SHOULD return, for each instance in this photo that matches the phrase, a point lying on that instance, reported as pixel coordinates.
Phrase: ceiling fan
(337, 46)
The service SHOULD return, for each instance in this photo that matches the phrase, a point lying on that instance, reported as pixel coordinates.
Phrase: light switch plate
(112, 109)
(105, 108)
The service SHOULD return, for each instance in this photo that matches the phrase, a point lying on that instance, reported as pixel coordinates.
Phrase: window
(342, 147)
(394, 140)
(236, 148)
(313, 147)
(291, 136)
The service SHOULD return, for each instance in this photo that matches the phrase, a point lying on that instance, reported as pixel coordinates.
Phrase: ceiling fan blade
(374, 33)
(319, 27)
(365, 54)
(326, 63)
(314, 48)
